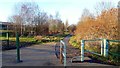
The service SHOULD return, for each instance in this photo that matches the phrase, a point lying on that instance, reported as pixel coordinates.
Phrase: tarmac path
(40, 55)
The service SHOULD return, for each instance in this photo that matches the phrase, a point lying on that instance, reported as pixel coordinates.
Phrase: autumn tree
(104, 25)
(119, 18)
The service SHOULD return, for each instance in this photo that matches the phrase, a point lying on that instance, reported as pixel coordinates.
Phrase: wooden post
(82, 50)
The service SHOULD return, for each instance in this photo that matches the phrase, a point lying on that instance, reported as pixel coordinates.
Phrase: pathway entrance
(42, 55)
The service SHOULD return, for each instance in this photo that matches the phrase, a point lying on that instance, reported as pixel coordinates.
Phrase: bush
(38, 38)
(113, 55)
(73, 42)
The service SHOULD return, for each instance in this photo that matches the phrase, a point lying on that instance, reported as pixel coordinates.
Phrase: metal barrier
(82, 48)
(114, 54)
(62, 52)
(104, 47)
(18, 48)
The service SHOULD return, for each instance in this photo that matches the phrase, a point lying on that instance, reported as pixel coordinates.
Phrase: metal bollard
(17, 47)
(7, 38)
(61, 57)
(82, 50)
(105, 47)
(63, 53)
(102, 48)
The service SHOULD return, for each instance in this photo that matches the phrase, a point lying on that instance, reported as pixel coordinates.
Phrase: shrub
(38, 38)
(73, 42)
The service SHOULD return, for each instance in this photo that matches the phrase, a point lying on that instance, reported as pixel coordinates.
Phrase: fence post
(102, 47)
(105, 47)
(82, 50)
(17, 47)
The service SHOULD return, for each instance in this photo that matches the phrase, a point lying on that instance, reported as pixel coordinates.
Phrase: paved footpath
(36, 55)
(39, 55)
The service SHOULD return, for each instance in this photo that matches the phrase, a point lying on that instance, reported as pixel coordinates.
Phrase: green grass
(3, 38)
(22, 39)
(45, 39)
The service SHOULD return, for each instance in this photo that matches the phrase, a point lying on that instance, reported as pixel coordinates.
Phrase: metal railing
(83, 46)
(104, 47)
(62, 52)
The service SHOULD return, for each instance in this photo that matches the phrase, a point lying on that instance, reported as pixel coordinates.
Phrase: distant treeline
(30, 20)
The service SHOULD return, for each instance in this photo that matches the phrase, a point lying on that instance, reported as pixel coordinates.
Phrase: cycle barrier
(104, 47)
(62, 52)
(114, 54)
(83, 45)
(18, 48)
(17, 44)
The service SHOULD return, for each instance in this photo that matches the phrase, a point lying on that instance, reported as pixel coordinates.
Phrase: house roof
(5, 23)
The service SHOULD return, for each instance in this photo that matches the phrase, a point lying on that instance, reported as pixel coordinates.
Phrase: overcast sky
(70, 10)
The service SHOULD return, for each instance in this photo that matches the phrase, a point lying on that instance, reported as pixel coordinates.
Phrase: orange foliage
(103, 26)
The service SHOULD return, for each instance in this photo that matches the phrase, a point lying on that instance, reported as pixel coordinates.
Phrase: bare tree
(26, 13)
(17, 23)
(41, 23)
(55, 24)
(32, 20)
(66, 25)
(86, 15)
(102, 6)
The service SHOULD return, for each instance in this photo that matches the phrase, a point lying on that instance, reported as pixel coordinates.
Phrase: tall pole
(82, 50)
